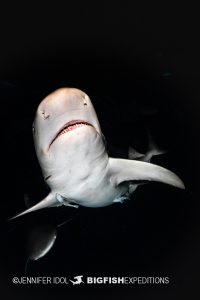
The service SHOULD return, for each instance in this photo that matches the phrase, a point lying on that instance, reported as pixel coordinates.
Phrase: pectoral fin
(49, 201)
(122, 170)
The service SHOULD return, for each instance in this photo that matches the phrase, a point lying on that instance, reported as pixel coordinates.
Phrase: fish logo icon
(77, 280)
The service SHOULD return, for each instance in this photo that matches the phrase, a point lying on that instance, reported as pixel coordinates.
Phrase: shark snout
(63, 100)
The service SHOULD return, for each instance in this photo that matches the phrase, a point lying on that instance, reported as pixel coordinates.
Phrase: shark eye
(33, 128)
(85, 103)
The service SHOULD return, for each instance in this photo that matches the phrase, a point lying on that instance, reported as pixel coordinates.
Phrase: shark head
(63, 111)
(64, 118)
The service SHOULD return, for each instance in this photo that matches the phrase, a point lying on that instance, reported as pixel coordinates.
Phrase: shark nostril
(45, 116)
(84, 97)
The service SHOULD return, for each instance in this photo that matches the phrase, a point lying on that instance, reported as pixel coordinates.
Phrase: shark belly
(88, 185)
(81, 175)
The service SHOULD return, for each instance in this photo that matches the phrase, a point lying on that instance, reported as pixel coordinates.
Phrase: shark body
(75, 164)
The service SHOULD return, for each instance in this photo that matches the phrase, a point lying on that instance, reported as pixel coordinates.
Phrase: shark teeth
(72, 125)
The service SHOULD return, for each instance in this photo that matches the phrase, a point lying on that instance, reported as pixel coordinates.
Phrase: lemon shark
(72, 155)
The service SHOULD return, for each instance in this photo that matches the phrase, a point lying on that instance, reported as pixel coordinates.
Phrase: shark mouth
(72, 125)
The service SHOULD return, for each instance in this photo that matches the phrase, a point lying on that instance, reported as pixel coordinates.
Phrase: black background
(140, 66)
